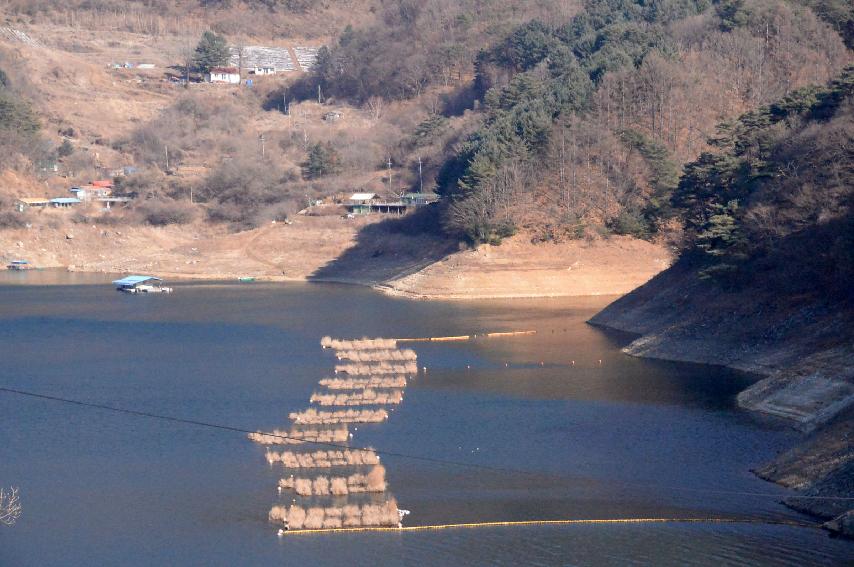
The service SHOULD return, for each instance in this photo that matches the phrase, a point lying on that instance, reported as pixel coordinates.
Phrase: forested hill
(582, 126)
(764, 281)
(775, 195)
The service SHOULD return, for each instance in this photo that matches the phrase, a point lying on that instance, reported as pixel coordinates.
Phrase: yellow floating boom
(555, 523)
(465, 337)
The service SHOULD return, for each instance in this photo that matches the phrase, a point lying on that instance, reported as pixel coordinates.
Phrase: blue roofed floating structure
(141, 284)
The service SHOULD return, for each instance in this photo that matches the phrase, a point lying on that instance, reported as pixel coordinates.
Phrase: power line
(409, 456)
(247, 431)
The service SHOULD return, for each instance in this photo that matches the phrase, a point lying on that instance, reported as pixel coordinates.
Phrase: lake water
(618, 439)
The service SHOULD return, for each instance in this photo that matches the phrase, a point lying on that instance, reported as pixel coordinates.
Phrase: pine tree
(212, 51)
(65, 149)
(323, 159)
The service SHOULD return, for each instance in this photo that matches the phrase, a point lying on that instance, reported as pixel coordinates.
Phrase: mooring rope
(471, 525)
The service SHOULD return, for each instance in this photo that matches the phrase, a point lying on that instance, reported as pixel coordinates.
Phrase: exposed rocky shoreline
(804, 346)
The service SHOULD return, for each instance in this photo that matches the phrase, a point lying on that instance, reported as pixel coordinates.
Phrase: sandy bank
(517, 268)
(275, 252)
(336, 249)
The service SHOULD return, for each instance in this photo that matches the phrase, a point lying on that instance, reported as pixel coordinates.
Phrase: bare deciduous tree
(10, 506)
(376, 106)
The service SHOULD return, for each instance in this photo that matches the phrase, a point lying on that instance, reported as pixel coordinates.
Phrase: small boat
(141, 284)
(19, 265)
(246, 279)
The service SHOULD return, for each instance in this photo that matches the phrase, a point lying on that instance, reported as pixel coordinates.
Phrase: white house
(229, 75)
(263, 70)
(360, 203)
(361, 198)
(89, 192)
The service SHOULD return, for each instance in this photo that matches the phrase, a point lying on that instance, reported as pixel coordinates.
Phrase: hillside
(764, 280)
(561, 123)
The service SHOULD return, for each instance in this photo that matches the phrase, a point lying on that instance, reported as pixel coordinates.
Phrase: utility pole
(420, 177)
(285, 104)
(389, 176)
(319, 95)
(261, 137)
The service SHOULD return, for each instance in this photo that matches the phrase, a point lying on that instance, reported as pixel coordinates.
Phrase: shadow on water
(390, 249)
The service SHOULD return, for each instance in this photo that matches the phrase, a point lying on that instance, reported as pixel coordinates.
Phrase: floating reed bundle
(376, 355)
(324, 459)
(373, 481)
(361, 398)
(369, 515)
(364, 383)
(358, 344)
(375, 369)
(312, 416)
(299, 436)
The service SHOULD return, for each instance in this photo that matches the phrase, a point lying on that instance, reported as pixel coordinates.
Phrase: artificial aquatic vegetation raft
(377, 355)
(372, 481)
(298, 517)
(300, 436)
(364, 383)
(313, 416)
(381, 368)
(323, 459)
(358, 344)
(377, 373)
(361, 398)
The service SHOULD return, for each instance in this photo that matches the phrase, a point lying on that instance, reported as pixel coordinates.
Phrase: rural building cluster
(256, 60)
(99, 193)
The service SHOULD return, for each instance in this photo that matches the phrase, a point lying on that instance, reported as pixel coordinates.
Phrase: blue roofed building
(64, 202)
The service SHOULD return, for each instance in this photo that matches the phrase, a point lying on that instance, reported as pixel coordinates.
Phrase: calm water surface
(617, 439)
